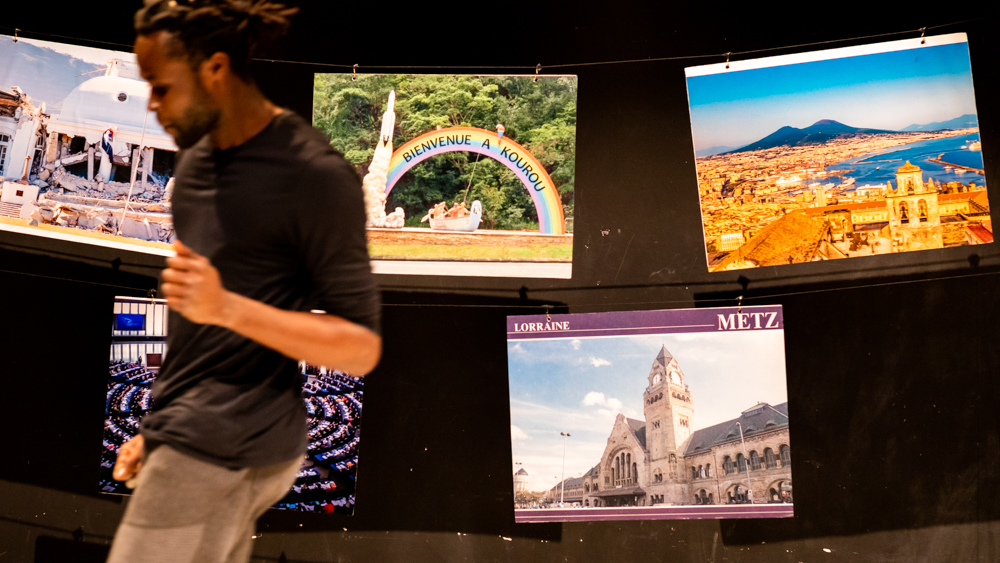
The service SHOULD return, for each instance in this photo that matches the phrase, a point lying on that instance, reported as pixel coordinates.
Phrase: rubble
(96, 189)
(152, 226)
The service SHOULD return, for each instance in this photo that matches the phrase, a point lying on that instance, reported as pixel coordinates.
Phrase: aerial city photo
(839, 154)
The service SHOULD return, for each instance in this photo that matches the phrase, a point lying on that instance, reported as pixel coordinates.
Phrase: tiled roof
(976, 195)
(981, 233)
(793, 238)
(765, 417)
(619, 492)
(873, 205)
(638, 428)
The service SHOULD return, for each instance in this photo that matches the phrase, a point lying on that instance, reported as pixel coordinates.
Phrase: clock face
(675, 377)
(656, 379)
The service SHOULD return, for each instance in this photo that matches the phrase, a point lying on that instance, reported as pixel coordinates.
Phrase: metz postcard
(840, 153)
(648, 415)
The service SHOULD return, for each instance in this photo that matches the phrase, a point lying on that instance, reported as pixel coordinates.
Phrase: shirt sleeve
(332, 246)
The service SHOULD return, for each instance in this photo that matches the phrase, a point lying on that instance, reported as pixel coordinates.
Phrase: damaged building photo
(80, 155)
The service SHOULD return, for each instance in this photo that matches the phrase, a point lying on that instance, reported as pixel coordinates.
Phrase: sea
(880, 167)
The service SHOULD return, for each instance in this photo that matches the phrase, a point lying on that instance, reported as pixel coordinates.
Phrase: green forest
(541, 116)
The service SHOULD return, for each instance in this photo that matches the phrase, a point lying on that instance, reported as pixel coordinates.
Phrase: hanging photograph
(645, 415)
(839, 153)
(81, 159)
(463, 175)
(326, 481)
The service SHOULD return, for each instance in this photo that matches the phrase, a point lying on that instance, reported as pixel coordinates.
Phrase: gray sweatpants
(185, 510)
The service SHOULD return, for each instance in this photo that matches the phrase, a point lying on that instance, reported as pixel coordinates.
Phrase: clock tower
(668, 407)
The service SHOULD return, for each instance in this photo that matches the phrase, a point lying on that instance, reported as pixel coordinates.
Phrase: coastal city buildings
(792, 204)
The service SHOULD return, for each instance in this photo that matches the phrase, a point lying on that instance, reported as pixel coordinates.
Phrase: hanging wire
(537, 67)
(737, 301)
(469, 187)
(58, 278)
(135, 166)
(544, 307)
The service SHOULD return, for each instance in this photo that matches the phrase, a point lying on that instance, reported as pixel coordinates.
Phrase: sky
(88, 54)
(882, 91)
(580, 385)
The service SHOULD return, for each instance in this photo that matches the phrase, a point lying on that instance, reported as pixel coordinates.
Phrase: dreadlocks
(242, 29)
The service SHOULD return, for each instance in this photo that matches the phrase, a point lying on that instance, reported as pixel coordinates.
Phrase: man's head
(193, 52)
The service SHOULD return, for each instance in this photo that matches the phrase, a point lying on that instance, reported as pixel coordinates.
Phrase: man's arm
(193, 289)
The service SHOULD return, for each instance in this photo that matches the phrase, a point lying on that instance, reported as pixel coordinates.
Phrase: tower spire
(664, 356)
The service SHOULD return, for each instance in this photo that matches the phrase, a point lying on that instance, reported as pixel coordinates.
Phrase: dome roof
(521, 472)
(110, 99)
(908, 168)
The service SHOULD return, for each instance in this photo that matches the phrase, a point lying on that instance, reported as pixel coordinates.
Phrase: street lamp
(746, 460)
(515, 481)
(562, 485)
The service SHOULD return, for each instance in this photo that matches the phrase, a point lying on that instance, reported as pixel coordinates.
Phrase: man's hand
(129, 460)
(193, 287)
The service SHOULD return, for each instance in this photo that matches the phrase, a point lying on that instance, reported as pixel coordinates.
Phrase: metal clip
(354, 73)
(548, 317)
(923, 40)
(739, 304)
(16, 30)
(727, 59)
(538, 68)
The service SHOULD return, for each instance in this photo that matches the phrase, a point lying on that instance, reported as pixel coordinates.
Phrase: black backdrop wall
(892, 360)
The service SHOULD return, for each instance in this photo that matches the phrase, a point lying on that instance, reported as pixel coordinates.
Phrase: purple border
(628, 323)
(717, 511)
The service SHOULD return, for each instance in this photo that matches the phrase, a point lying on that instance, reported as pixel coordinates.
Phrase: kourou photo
(463, 175)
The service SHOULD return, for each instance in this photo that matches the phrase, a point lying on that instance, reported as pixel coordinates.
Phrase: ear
(214, 70)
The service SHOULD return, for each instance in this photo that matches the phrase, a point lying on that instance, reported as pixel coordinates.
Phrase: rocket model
(388, 121)
(375, 181)
(500, 130)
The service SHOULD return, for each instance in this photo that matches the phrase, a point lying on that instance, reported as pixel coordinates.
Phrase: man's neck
(245, 115)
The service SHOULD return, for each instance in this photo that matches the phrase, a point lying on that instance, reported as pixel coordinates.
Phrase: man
(272, 224)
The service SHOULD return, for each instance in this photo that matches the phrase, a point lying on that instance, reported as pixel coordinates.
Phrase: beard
(196, 122)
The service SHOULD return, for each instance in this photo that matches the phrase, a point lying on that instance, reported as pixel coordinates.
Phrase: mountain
(719, 149)
(819, 132)
(962, 122)
(43, 74)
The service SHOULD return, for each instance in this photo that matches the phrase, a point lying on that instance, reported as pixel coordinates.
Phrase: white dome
(111, 101)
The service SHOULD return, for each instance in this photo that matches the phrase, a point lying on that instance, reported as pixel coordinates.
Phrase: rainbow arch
(507, 152)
